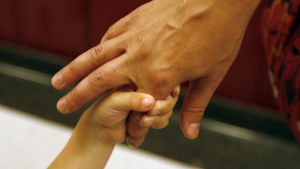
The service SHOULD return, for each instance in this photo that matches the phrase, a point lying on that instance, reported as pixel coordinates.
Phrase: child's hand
(104, 124)
(157, 118)
(107, 117)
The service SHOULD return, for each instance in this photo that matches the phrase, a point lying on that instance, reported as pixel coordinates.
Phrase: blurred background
(242, 127)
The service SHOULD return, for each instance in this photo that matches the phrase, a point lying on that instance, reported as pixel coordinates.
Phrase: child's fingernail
(193, 130)
(147, 102)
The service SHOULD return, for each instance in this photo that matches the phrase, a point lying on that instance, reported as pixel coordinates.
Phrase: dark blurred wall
(69, 27)
(247, 79)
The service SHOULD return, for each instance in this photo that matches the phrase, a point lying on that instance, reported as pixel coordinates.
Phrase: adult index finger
(106, 77)
(87, 62)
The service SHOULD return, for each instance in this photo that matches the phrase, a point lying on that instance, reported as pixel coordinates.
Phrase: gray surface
(215, 150)
(29, 142)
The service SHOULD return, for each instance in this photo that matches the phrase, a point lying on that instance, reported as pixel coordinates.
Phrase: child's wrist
(92, 132)
(83, 149)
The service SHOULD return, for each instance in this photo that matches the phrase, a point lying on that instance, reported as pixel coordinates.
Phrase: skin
(104, 124)
(156, 47)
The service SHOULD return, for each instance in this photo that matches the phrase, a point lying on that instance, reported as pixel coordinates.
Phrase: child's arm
(103, 125)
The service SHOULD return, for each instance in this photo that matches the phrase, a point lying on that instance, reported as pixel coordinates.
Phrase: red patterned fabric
(281, 34)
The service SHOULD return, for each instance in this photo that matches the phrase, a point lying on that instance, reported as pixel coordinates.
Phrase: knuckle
(100, 77)
(71, 68)
(96, 53)
(195, 112)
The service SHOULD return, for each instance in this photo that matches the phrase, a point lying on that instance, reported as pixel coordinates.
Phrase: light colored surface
(29, 142)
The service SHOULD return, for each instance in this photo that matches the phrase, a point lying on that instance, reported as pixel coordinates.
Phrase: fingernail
(193, 130)
(130, 143)
(147, 102)
(57, 80)
(62, 106)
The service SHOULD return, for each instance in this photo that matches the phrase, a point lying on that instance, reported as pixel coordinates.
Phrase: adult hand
(158, 46)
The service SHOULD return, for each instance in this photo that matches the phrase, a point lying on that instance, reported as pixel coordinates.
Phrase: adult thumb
(197, 98)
